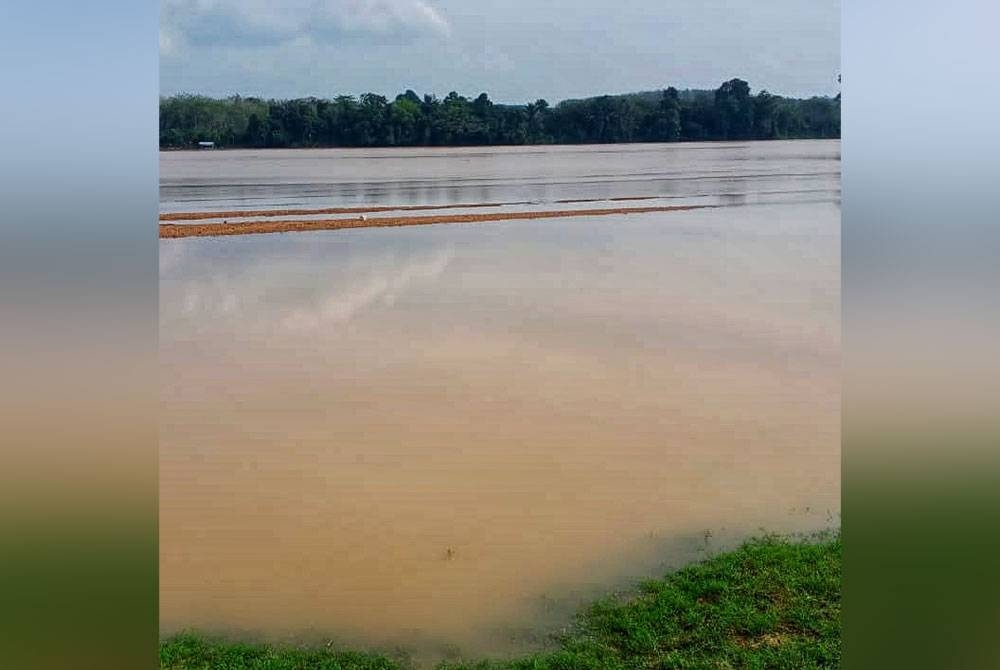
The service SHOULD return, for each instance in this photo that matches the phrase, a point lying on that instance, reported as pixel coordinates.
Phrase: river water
(446, 438)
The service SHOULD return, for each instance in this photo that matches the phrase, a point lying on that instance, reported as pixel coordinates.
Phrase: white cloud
(166, 42)
(258, 23)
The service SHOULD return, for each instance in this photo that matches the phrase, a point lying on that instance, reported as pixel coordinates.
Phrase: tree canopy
(730, 112)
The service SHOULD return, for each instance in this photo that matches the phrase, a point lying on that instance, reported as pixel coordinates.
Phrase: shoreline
(532, 145)
(772, 602)
(176, 231)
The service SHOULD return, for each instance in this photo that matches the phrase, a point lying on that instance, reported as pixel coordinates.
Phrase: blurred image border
(78, 307)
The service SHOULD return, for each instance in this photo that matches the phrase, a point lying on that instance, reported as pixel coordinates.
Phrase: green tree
(734, 110)
(669, 125)
(729, 112)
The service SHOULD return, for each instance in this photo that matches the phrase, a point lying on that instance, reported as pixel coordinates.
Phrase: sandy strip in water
(169, 230)
(237, 213)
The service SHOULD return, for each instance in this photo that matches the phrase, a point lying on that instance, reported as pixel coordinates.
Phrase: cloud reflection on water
(275, 299)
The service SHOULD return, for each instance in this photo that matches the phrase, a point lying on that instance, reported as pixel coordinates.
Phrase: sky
(516, 50)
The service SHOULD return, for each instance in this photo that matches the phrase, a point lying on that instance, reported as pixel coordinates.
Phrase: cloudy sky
(517, 50)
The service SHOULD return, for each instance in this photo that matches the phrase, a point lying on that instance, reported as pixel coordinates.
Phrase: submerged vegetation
(772, 603)
(730, 112)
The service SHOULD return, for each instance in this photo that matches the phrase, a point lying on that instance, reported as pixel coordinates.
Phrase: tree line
(730, 112)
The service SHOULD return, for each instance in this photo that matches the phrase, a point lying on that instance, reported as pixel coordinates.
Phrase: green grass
(772, 603)
(191, 652)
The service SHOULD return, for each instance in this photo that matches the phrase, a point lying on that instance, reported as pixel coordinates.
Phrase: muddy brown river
(445, 438)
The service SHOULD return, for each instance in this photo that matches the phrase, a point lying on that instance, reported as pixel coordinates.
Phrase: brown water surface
(449, 437)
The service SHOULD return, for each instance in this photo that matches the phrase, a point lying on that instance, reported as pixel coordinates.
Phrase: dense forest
(730, 112)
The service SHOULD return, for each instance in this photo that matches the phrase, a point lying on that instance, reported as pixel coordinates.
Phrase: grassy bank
(772, 603)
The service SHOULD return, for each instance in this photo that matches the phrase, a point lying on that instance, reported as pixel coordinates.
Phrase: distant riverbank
(729, 112)
(771, 603)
